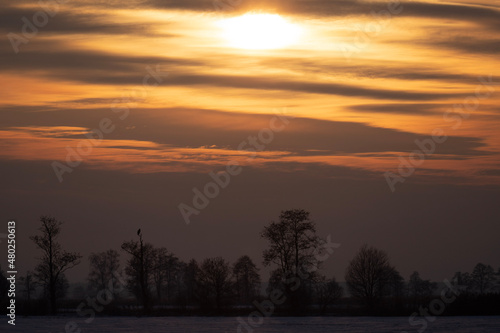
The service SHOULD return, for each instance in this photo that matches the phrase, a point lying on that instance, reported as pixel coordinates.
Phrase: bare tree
(191, 278)
(28, 284)
(166, 273)
(483, 278)
(215, 278)
(247, 279)
(103, 269)
(462, 281)
(139, 269)
(54, 261)
(327, 292)
(368, 275)
(419, 290)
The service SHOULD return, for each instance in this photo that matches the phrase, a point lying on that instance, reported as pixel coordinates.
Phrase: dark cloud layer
(400, 108)
(68, 22)
(195, 128)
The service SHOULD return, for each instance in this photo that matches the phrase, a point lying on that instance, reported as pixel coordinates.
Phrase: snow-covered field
(231, 324)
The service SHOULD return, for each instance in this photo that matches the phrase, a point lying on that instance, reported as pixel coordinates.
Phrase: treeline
(154, 281)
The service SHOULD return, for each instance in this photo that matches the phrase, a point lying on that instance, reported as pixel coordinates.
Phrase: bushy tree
(293, 245)
(483, 278)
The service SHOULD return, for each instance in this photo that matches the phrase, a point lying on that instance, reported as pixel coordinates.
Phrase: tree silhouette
(483, 278)
(327, 292)
(293, 244)
(54, 261)
(28, 284)
(247, 279)
(419, 290)
(191, 278)
(215, 279)
(139, 269)
(103, 268)
(368, 275)
(166, 273)
(462, 281)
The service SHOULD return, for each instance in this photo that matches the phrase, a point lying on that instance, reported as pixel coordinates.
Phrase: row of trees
(157, 278)
(371, 278)
(482, 280)
(155, 275)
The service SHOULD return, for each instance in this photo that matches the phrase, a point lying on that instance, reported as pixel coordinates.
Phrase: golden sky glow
(145, 100)
(395, 76)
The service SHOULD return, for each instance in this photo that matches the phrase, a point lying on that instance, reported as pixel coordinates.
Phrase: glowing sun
(259, 31)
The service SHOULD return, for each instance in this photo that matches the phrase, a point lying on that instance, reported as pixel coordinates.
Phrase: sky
(380, 118)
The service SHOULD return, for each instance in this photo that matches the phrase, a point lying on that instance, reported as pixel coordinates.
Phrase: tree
(327, 292)
(103, 269)
(54, 261)
(160, 257)
(215, 280)
(483, 278)
(368, 275)
(419, 290)
(247, 279)
(28, 288)
(166, 273)
(191, 282)
(396, 288)
(139, 269)
(462, 281)
(293, 245)
(498, 280)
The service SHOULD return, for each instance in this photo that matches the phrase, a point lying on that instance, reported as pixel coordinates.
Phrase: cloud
(481, 15)
(69, 22)
(200, 128)
(470, 44)
(66, 63)
(400, 108)
(287, 84)
(97, 67)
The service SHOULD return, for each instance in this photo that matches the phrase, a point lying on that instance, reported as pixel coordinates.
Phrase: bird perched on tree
(138, 232)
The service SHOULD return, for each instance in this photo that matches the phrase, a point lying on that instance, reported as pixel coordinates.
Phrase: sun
(259, 31)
